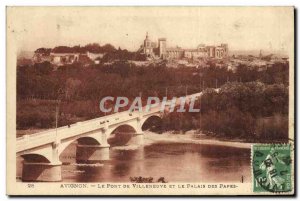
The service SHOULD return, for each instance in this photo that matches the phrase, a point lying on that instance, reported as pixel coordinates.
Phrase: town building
(149, 47)
(200, 52)
(65, 58)
(162, 47)
(93, 56)
(160, 50)
(174, 53)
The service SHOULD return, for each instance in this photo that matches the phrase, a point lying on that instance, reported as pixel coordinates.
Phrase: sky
(252, 28)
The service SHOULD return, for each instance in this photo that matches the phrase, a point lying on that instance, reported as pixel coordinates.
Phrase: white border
(5, 3)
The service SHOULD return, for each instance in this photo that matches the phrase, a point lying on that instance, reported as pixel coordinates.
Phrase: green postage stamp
(271, 166)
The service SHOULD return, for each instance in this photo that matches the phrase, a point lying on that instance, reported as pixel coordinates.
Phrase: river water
(176, 162)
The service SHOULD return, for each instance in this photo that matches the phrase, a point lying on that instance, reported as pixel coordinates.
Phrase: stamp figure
(271, 168)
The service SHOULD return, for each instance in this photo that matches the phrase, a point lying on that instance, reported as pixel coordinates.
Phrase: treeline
(252, 111)
(80, 89)
(110, 52)
(125, 79)
(92, 47)
(123, 55)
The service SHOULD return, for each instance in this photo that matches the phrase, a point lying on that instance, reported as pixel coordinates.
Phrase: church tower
(162, 47)
(260, 54)
(148, 49)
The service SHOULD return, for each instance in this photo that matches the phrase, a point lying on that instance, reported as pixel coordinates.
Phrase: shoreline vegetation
(251, 104)
(188, 138)
(192, 137)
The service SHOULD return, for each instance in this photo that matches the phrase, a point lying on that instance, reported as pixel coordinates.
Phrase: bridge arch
(35, 158)
(153, 122)
(121, 135)
(88, 139)
(37, 167)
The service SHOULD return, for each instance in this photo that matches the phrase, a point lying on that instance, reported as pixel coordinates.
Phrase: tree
(43, 68)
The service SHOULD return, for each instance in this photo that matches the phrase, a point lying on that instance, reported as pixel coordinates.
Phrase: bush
(230, 123)
(250, 111)
(272, 128)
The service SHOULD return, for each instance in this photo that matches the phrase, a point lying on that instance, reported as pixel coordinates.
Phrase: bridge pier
(47, 172)
(137, 138)
(92, 153)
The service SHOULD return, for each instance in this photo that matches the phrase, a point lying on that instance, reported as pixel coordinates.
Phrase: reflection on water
(176, 162)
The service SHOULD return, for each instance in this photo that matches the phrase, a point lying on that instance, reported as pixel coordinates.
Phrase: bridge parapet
(50, 136)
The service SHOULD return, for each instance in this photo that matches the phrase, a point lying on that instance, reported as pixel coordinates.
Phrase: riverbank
(190, 137)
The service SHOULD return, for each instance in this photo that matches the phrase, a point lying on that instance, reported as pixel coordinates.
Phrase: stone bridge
(41, 151)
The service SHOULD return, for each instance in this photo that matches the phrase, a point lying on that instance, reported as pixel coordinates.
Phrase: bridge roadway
(38, 139)
(41, 151)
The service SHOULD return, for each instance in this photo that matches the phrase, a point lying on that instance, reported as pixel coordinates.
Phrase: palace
(158, 50)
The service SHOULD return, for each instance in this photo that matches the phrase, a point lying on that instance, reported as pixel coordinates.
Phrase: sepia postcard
(150, 101)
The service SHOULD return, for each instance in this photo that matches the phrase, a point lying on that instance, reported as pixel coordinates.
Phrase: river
(175, 160)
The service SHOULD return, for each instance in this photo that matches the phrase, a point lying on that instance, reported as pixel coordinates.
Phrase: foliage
(244, 97)
(250, 111)
(92, 47)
